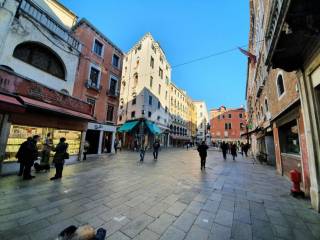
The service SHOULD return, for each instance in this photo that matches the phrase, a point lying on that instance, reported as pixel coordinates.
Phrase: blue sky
(186, 29)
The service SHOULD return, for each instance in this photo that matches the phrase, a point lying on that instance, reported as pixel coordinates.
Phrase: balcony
(33, 11)
(92, 85)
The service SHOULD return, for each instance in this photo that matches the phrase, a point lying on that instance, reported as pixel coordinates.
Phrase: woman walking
(59, 157)
(202, 149)
(233, 150)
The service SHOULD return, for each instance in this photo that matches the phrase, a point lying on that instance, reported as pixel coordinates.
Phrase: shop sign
(101, 127)
(12, 83)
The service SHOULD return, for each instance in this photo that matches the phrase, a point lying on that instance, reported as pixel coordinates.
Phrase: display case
(73, 138)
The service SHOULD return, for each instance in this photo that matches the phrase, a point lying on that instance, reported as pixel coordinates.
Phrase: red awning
(50, 107)
(10, 104)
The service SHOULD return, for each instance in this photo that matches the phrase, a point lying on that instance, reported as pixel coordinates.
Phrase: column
(4, 134)
(112, 141)
(83, 140)
(100, 142)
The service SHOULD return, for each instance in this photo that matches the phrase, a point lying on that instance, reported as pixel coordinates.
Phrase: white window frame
(284, 86)
(102, 52)
(119, 63)
(92, 65)
(117, 86)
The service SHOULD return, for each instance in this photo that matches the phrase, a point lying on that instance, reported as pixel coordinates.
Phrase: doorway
(92, 137)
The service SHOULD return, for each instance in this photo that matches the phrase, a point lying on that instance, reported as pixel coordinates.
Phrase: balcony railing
(113, 93)
(93, 85)
(36, 13)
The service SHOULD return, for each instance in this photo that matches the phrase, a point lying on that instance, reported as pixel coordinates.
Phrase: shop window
(133, 114)
(110, 110)
(40, 57)
(97, 47)
(150, 100)
(280, 85)
(151, 62)
(116, 61)
(289, 138)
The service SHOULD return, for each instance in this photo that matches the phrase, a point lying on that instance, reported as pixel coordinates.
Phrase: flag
(252, 57)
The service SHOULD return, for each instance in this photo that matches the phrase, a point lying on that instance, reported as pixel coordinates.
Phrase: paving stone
(242, 215)
(241, 231)
(118, 236)
(147, 234)
(162, 223)
(173, 233)
(185, 221)
(176, 209)
(39, 216)
(224, 217)
(262, 230)
(158, 209)
(195, 207)
(283, 232)
(205, 220)
(211, 206)
(136, 226)
(220, 232)
(197, 233)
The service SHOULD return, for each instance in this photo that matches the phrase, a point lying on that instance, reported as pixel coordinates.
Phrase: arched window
(280, 85)
(40, 57)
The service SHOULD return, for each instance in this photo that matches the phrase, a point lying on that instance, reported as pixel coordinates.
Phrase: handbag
(66, 155)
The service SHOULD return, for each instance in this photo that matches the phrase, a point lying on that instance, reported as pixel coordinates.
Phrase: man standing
(59, 157)
(202, 149)
(224, 148)
(30, 154)
(21, 155)
(156, 146)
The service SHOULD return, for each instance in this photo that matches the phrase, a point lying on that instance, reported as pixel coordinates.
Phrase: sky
(186, 30)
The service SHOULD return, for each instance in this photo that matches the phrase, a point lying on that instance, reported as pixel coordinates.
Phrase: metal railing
(38, 14)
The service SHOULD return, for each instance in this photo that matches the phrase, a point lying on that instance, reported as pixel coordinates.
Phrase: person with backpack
(156, 146)
(59, 157)
(202, 149)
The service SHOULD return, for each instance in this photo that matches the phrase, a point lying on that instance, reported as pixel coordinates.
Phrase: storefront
(38, 110)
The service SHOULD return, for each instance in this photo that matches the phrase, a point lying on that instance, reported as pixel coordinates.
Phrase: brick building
(98, 83)
(227, 124)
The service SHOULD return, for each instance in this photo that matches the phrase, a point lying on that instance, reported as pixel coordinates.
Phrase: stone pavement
(170, 199)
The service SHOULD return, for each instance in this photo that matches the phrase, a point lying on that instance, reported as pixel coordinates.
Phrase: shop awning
(128, 126)
(153, 127)
(10, 104)
(53, 108)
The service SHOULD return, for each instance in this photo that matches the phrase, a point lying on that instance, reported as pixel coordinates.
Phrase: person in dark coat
(246, 149)
(202, 149)
(156, 146)
(30, 154)
(224, 148)
(21, 155)
(233, 150)
(59, 157)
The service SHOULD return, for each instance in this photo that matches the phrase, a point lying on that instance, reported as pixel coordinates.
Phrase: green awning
(153, 127)
(128, 126)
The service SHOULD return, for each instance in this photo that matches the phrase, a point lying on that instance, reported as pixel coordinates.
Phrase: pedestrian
(30, 155)
(224, 148)
(85, 149)
(59, 157)
(142, 153)
(115, 145)
(188, 145)
(242, 148)
(233, 150)
(21, 155)
(156, 146)
(135, 145)
(202, 149)
(120, 145)
(45, 154)
(246, 149)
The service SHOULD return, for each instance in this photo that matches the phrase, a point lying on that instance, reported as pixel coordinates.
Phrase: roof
(89, 24)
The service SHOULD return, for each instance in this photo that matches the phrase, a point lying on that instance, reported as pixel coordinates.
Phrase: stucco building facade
(202, 122)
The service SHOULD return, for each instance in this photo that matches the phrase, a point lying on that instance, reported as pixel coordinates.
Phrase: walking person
(45, 154)
(224, 148)
(202, 149)
(85, 149)
(156, 146)
(21, 155)
(233, 150)
(142, 153)
(120, 145)
(115, 145)
(30, 154)
(59, 157)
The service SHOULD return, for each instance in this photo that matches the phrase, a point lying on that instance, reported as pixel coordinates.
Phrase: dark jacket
(28, 152)
(156, 146)
(202, 149)
(233, 149)
(61, 152)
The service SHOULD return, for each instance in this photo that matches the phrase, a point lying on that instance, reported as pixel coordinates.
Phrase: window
(92, 102)
(113, 86)
(153, 48)
(240, 115)
(160, 73)
(158, 118)
(159, 105)
(161, 59)
(135, 77)
(166, 96)
(120, 118)
(280, 85)
(94, 77)
(40, 57)
(133, 114)
(166, 109)
(110, 113)
(241, 126)
(266, 105)
(289, 138)
(151, 82)
(159, 89)
(116, 61)
(226, 126)
(149, 114)
(134, 101)
(229, 115)
(150, 100)
(230, 126)
(97, 47)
